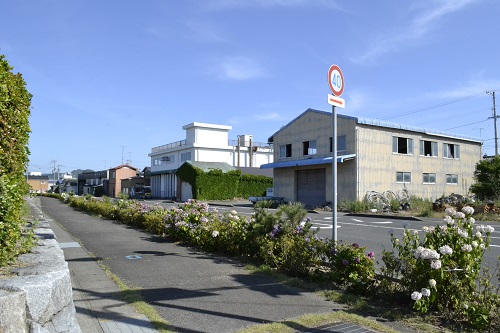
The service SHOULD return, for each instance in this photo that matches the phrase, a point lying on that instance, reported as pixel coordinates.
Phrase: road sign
(336, 101)
(336, 80)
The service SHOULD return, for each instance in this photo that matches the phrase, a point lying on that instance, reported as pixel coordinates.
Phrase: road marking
(355, 220)
(324, 225)
(383, 222)
(133, 257)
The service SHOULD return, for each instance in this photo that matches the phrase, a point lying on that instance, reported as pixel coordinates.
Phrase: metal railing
(168, 146)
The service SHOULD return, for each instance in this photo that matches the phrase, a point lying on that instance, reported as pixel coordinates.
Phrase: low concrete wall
(38, 298)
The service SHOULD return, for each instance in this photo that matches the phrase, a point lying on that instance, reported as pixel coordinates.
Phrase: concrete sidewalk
(94, 314)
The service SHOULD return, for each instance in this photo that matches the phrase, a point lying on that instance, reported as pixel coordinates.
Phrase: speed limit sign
(336, 80)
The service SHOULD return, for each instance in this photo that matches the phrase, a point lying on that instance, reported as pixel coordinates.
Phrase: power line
(477, 122)
(456, 100)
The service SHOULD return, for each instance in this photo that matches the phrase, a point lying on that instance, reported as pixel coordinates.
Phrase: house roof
(380, 123)
(309, 161)
(208, 166)
(37, 177)
(123, 166)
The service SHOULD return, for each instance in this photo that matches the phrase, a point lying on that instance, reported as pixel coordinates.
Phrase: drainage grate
(340, 328)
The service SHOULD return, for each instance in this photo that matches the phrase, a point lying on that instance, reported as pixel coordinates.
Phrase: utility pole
(494, 120)
(122, 152)
(54, 172)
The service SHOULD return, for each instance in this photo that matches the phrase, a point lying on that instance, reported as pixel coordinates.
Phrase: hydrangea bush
(441, 271)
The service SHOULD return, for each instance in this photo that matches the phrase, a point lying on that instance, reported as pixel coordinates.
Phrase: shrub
(350, 266)
(14, 134)
(441, 270)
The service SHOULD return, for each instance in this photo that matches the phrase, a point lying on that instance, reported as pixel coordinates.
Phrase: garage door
(311, 186)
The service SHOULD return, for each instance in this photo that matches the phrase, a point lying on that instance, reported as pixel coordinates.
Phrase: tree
(487, 176)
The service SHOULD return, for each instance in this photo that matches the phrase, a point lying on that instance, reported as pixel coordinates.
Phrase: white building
(203, 143)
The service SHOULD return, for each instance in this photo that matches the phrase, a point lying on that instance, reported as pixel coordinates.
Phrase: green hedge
(217, 185)
(15, 104)
(253, 185)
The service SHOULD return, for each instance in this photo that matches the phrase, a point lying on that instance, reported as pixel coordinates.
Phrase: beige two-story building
(372, 155)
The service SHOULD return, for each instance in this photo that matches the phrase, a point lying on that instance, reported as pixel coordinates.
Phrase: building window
(186, 156)
(403, 177)
(402, 145)
(341, 143)
(286, 151)
(451, 151)
(451, 179)
(309, 147)
(429, 178)
(428, 148)
(168, 159)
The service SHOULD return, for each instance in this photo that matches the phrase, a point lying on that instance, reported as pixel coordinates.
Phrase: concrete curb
(39, 297)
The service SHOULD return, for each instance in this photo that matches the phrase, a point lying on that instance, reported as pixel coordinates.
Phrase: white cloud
(472, 87)
(239, 69)
(420, 26)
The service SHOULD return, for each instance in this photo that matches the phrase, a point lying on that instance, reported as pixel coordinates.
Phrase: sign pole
(334, 173)
(336, 84)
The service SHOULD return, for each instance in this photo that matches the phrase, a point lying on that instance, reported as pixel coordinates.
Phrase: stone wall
(37, 297)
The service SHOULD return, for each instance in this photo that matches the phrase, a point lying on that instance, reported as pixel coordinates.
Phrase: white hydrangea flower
(416, 296)
(475, 244)
(467, 248)
(459, 215)
(482, 246)
(418, 252)
(472, 220)
(450, 211)
(489, 229)
(448, 220)
(468, 210)
(463, 233)
(445, 249)
(425, 229)
(443, 228)
(233, 212)
(215, 233)
(436, 264)
(432, 283)
(426, 292)
(478, 234)
(415, 232)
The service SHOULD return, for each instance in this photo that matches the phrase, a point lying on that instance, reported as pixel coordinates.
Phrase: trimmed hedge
(15, 104)
(253, 185)
(217, 185)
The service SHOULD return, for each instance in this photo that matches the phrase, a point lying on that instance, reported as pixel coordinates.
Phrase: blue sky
(112, 79)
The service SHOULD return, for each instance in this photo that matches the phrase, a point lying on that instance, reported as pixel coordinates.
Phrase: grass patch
(134, 298)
